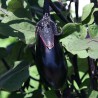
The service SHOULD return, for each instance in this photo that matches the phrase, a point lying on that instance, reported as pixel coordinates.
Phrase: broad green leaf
(7, 41)
(87, 11)
(6, 30)
(71, 28)
(15, 52)
(5, 94)
(81, 54)
(41, 2)
(20, 8)
(93, 30)
(34, 73)
(93, 94)
(82, 47)
(93, 48)
(13, 17)
(14, 78)
(71, 45)
(26, 28)
(78, 44)
(13, 5)
(33, 83)
(23, 29)
(91, 19)
(93, 54)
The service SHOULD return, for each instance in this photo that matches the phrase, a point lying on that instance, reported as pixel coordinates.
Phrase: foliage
(19, 76)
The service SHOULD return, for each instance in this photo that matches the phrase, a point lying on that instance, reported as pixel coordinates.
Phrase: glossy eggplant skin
(51, 63)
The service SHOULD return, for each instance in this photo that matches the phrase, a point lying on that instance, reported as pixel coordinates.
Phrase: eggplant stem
(53, 6)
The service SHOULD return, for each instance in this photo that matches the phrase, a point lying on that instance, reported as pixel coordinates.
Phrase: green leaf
(50, 94)
(91, 20)
(26, 28)
(93, 53)
(73, 45)
(93, 94)
(6, 30)
(14, 78)
(15, 52)
(41, 2)
(19, 8)
(87, 11)
(82, 47)
(78, 44)
(33, 84)
(81, 54)
(93, 30)
(4, 94)
(7, 41)
(34, 73)
(71, 28)
(13, 5)
(23, 29)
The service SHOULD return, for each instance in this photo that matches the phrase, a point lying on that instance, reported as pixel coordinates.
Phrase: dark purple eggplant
(50, 59)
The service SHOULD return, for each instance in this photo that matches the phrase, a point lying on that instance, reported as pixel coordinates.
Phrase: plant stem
(58, 11)
(5, 63)
(34, 78)
(46, 7)
(92, 70)
(77, 77)
(76, 9)
(84, 75)
(59, 93)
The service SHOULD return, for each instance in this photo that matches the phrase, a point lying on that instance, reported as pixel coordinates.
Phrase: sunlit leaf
(93, 94)
(71, 28)
(93, 30)
(7, 41)
(87, 11)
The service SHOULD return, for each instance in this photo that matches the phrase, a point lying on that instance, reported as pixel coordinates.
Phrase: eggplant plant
(48, 49)
(49, 53)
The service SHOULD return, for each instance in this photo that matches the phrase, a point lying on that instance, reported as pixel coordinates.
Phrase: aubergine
(50, 59)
